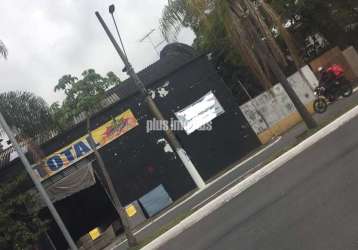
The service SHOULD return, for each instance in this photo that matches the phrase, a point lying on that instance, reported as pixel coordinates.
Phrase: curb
(250, 181)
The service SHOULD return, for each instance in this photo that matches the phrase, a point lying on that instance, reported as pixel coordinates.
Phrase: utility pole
(266, 56)
(132, 241)
(38, 185)
(172, 140)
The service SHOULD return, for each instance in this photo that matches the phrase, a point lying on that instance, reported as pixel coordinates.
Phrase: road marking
(199, 191)
(250, 181)
(227, 185)
(245, 161)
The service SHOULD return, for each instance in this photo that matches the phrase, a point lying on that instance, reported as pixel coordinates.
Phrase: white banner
(199, 113)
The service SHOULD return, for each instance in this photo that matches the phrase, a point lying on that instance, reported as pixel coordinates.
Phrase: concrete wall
(272, 113)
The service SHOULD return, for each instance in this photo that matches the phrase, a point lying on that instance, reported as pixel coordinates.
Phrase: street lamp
(111, 9)
(172, 140)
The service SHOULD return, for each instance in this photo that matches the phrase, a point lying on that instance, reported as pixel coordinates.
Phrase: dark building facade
(141, 160)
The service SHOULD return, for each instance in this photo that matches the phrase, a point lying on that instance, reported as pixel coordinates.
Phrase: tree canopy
(83, 95)
(27, 114)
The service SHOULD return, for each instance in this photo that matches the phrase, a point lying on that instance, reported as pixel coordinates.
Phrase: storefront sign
(81, 148)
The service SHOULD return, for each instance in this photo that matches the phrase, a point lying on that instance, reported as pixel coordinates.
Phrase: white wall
(276, 105)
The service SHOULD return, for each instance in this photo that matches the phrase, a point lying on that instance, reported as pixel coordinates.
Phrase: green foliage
(82, 95)
(176, 14)
(19, 229)
(27, 113)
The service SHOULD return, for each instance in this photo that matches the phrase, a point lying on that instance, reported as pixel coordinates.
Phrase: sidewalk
(230, 178)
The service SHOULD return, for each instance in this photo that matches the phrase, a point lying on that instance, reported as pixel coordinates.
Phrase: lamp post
(111, 9)
(170, 136)
(38, 185)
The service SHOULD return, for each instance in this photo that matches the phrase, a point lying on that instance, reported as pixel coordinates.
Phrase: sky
(47, 39)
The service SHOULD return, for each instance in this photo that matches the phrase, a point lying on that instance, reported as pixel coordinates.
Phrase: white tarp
(199, 113)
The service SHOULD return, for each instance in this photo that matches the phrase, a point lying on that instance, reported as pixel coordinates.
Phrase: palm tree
(27, 114)
(29, 117)
(3, 50)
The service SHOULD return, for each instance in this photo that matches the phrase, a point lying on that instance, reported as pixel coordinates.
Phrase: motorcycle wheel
(320, 105)
(347, 90)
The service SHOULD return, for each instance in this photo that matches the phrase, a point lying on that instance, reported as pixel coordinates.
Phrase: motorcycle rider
(325, 77)
(328, 77)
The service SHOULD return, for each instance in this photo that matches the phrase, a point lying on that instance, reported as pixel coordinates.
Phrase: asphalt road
(311, 203)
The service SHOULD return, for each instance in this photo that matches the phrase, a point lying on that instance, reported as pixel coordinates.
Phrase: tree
(27, 114)
(83, 97)
(3, 50)
(19, 229)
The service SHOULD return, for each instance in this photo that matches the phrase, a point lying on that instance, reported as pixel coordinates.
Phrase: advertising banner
(81, 148)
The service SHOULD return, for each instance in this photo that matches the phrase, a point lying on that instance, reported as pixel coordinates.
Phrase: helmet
(320, 69)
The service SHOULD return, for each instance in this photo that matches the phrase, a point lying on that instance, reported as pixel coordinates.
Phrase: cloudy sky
(47, 39)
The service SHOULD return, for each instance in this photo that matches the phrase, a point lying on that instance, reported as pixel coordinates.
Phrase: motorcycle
(341, 87)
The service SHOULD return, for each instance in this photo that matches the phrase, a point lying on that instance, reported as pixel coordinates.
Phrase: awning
(78, 178)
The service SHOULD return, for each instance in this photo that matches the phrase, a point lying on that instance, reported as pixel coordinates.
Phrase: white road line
(245, 161)
(199, 191)
(250, 181)
(118, 245)
(355, 89)
(224, 187)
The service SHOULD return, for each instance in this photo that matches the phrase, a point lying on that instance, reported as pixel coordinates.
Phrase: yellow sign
(131, 211)
(81, 148)
(95, 233)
